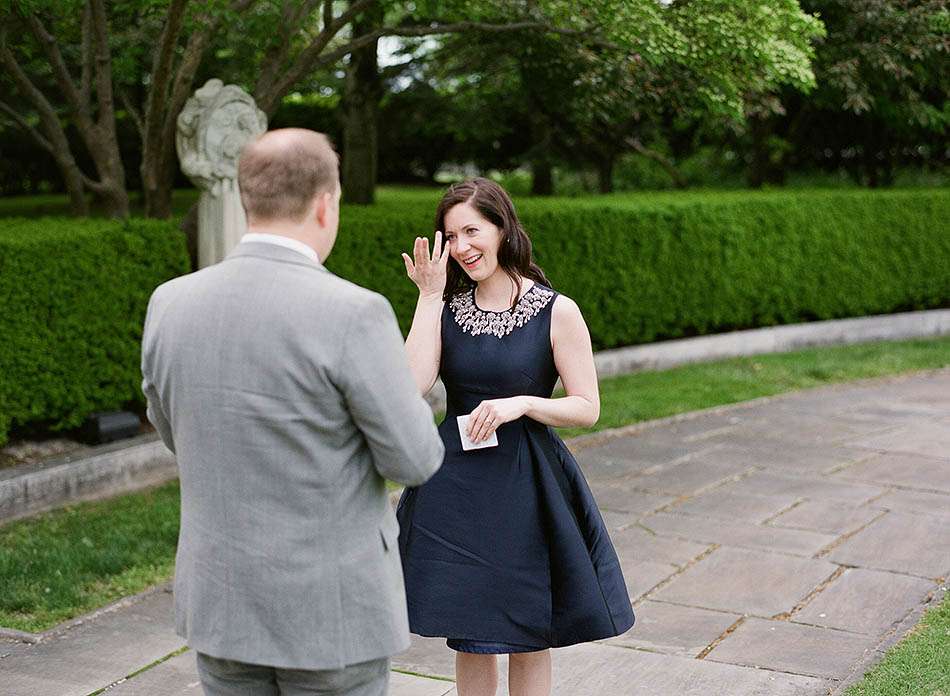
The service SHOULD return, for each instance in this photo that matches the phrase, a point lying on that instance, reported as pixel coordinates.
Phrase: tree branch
(104, 94)
(162, 64)
(22, 122)
(270, 88)
(61, 73)
(678, 180)
(133, 112)
(85, 82)
(94, 186)
(187, 67)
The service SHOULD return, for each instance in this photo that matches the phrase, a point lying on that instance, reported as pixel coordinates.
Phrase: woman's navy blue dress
(504, 549)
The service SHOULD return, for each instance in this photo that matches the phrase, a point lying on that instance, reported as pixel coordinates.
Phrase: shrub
(73, 295)
(642, 268)
(646, 268)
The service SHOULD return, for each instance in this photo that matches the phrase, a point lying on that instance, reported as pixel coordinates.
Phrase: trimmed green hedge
(641, 267)
(72, 301)
(646, 268)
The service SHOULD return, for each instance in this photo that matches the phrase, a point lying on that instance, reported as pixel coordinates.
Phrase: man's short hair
(280, 173)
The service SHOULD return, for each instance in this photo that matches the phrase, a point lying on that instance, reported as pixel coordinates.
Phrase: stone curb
(118, 467)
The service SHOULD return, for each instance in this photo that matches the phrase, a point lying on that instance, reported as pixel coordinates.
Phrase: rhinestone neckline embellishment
(475, 321)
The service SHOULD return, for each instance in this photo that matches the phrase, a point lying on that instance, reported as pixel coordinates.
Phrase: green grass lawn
(62, 564)
(65, 563)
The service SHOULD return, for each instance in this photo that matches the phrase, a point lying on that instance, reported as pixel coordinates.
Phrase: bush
(73, 295)
(646, 268)
(642, 268)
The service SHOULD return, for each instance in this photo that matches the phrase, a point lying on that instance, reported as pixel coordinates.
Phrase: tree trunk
(542, 176)
(605, 174)
(363, 92)
(78, 205)
(158, 178)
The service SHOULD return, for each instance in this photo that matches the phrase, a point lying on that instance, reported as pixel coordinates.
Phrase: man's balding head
(281, 172)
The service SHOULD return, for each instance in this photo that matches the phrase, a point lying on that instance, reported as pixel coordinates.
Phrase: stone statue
(216, 123)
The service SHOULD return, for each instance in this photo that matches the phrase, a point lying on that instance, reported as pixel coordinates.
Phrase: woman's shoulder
(566, 315)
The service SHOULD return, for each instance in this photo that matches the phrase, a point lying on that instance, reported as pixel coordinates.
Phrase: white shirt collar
(283, 241)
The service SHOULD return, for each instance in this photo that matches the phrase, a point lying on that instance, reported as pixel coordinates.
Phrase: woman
(504, 550)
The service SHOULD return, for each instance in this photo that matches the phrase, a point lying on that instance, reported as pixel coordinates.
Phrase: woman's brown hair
(514, 251)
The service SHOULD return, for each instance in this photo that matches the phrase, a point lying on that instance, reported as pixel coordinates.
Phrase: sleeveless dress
(504, 549)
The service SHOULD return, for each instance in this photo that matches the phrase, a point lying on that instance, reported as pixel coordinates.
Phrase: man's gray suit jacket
(286, 395)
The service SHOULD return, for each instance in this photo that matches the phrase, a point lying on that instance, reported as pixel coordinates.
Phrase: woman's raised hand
(428, 273)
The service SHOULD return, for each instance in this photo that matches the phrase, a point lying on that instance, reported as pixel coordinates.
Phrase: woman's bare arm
(424, 342)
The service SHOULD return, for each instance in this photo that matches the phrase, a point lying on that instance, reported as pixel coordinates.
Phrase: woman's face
(473, 241)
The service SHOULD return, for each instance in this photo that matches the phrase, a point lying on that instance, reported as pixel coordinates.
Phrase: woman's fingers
(410, 268)
(437, 246)
(444, 259)
(418, 252)
(481, 424)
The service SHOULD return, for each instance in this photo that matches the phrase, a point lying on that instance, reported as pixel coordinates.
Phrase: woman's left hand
(486, 418)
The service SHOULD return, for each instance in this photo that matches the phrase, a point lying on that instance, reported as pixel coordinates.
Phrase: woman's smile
(472, 261)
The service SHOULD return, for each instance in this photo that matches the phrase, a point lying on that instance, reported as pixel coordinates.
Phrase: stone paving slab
(826, 516)
(643, 576)
(429, 656)
(902, 542)
(623, 457)
(622, 497)
(789, 647)
(931, 439)
(768, 483)
(738, 534)
(797, 459)
(740, 507)
(689, 477)
(674, 629)
(601, 670)
(95, 654)
(907, 470)
(865, 601)
(746, 582)
(177, 676)
(796, 428)
(636, 544)
(914, 501)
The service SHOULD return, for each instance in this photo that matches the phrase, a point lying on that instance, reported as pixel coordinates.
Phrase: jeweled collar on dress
(475, 321)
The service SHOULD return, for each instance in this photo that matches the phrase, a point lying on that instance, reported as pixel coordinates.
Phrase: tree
(881, 100)
(589, 102)
(294, 38)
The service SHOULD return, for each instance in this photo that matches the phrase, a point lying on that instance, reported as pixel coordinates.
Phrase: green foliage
(72, 302)
(646, 268)
(641, 267)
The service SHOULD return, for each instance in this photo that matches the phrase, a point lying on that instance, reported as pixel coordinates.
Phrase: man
(286, 394)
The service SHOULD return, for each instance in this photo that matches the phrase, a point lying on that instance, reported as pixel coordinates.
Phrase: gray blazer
(285, 392)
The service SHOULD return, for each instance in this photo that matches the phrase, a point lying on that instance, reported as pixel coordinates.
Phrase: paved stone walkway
(775, 548)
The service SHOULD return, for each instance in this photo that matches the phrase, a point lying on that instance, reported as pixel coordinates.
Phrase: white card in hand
(468, 444)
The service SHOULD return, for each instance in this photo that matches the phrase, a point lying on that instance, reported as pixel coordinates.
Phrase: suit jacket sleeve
(156, 410)
(383, 398)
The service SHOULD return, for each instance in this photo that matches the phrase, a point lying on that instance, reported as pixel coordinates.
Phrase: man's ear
(322, 208)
